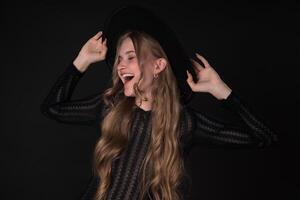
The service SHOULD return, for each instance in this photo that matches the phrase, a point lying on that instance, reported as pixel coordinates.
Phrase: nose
(121, 65)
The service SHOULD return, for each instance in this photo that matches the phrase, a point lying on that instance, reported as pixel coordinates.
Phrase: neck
(146, 103)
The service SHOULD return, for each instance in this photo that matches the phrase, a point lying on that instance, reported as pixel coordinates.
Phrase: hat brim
(139, 18)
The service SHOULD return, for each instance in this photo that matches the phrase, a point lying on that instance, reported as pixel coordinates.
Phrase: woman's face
(129, 71)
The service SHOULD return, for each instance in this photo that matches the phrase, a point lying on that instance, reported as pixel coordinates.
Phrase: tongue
(127, 80)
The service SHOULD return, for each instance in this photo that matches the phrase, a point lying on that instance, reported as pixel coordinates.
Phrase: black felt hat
(134, 17)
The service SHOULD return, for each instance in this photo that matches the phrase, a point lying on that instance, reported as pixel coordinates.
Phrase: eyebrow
(128, 52)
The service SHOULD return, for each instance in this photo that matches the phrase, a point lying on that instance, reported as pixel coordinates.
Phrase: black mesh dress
(196, 128)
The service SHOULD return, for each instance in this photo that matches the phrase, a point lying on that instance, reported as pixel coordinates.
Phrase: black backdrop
(253, 47)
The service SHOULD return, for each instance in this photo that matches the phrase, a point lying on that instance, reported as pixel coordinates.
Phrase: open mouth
(128, 78)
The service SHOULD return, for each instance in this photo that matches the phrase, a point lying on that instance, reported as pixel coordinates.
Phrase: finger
(201, 86)
(190, 81)
(99, 46)
(104, 43)
(197, 65)
(100, 41)
(197, 71)
(203, 60)
(98, 35)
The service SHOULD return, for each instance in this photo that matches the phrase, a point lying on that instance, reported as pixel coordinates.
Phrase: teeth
(126, 75)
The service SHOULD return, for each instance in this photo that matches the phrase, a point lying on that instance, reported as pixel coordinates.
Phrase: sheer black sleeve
(91, 188)
(59, 106)
(251, 132)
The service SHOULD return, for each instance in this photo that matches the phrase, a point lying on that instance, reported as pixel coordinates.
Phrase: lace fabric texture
(196, 129)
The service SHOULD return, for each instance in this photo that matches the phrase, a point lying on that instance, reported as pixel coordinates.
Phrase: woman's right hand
(94, 50)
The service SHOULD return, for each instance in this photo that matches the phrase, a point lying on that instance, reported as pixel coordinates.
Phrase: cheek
(148, 79)
(147, 76)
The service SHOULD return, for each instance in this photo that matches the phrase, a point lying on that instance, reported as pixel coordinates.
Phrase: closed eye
(120, 58)
(130, 58)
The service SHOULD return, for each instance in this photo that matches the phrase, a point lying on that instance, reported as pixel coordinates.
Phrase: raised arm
(251, 132)
(58, 104)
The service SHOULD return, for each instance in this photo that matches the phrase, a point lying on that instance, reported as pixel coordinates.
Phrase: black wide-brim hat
(134, 17)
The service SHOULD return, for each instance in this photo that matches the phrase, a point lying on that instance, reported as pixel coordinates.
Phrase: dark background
(253, 47)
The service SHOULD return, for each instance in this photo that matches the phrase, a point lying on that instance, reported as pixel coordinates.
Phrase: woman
(147, 128)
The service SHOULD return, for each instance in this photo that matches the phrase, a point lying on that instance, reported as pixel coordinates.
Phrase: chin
(129, 94)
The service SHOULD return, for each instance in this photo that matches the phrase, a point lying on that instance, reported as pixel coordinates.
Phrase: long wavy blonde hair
(163, 166)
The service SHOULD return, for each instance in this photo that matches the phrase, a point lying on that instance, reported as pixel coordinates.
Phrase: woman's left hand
(208, 80)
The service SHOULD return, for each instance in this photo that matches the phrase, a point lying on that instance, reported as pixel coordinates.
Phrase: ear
(159, 65)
